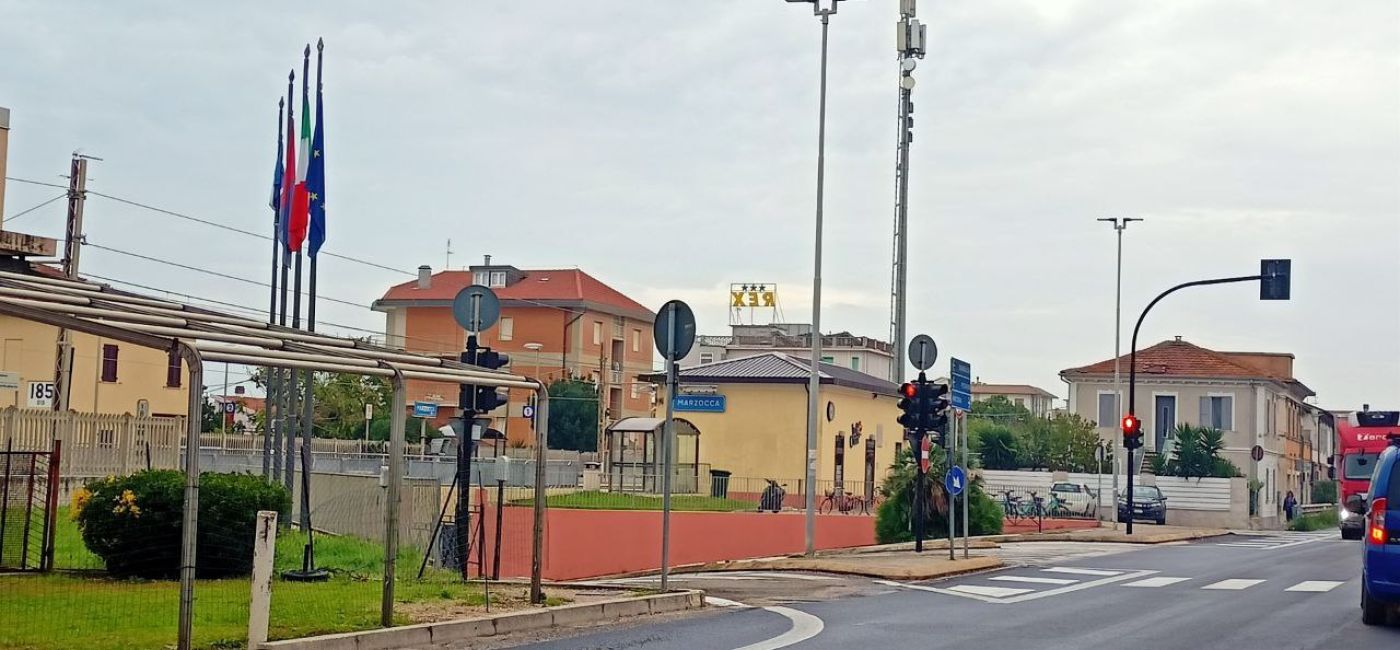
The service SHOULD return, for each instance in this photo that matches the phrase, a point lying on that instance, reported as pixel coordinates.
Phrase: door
(1165, 418)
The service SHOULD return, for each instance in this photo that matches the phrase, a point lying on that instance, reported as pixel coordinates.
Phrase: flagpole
(273, 377)
(311, 298)
(286, 378)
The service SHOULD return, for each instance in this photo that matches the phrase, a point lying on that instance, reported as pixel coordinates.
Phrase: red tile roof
(1009, 389)
(1178, 358)
(567, 285)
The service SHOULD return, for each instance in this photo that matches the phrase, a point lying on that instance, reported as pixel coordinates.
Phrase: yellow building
(108, 376)
(751, 415)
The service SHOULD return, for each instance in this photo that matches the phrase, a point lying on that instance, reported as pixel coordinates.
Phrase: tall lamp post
(1119, 225)
(822, 9)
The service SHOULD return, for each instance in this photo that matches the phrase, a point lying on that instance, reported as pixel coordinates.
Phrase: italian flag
(301, 208)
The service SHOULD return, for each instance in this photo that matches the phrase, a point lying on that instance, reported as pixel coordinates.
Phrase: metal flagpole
(274, 376)
(287, 378)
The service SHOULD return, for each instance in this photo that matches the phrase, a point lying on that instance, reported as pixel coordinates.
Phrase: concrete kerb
(429, 634)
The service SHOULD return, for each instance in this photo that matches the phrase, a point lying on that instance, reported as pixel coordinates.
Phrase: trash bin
(719, 483)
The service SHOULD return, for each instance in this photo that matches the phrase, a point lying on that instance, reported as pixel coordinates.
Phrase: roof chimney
(1178, 338)
(425, 276)
(487, 262)
(239, 390)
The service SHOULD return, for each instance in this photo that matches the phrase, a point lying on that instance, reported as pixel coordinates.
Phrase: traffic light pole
(920, 490)
(1132, 375)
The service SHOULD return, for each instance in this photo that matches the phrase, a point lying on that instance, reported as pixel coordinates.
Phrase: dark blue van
(1380, 564)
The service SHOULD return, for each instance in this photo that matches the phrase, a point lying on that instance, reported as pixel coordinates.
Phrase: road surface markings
(1082, 572)
(1042, 581)
(1156, 582)
(994, 592)
(1232, 585)
(1315, 586)
(1277, 540)
(804, 626)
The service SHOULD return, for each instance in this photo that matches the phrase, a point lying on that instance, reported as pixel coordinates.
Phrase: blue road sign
(700, 403)
(961, 390)
(527, 411)
(955, 481)
(425, 410)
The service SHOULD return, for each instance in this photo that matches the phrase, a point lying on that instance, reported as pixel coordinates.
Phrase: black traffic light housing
(935, 410)
(1274, 279)
(909, 406)
(1132, 432)
(482, 399)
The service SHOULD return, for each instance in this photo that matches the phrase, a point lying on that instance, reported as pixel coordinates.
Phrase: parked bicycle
(845, 503)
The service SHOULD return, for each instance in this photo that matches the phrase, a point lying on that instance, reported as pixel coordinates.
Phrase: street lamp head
(533, 347)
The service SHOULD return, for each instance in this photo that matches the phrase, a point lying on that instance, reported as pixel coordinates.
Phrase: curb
(936, 569)
(429, 634)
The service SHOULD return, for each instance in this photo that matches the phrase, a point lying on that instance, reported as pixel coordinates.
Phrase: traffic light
(936, 410)
(1274, 279)
(1132, 431)
(909, 406)
(482, 399)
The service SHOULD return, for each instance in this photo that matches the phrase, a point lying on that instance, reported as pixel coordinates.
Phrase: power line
(26, 180)
(24, 212)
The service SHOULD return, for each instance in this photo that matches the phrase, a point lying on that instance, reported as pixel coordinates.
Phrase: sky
(669, 148)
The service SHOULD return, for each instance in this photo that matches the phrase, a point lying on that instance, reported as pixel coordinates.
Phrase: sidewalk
(884, 563)
(1142, 534)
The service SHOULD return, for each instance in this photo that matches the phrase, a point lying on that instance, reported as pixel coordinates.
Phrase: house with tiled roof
(554, 323)
(1038, 401)
(1253, 397)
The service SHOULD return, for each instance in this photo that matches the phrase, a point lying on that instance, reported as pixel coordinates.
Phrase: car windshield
(1358, 467)
(1065, 487)
(1148, 492)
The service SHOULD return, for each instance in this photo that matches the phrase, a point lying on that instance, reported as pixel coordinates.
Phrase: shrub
(1197, 454)
(134, 522)
(998, 447)
(1314, 521)
(893, 521)
(1324, 492)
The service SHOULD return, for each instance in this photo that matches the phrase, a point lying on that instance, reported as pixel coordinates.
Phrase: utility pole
(909, 42)
(1119, 224)
(72, 251)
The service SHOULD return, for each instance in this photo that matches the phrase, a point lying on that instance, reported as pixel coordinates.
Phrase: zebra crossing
(1030, 583)
(1277, 539)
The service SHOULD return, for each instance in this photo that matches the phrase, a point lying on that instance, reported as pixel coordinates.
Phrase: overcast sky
(669, 148)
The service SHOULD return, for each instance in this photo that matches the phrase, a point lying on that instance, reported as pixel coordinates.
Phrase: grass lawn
(594, 500)
(86, 610)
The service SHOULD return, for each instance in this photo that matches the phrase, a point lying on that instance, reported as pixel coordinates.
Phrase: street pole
(814, 380)
(1119, 225)
(72, 250)
(950, 443)
(961, 426)
(223, 410)
(672, 379)
(910, 47)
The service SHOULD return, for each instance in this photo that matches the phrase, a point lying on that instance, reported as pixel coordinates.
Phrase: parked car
(1380, 563)
(1148, 503)
(1073, 499)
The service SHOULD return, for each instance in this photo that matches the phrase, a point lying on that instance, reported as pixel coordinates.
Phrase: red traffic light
(908, 390)
(1131, 425)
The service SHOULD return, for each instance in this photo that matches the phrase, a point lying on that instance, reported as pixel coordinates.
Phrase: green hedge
(134, 522)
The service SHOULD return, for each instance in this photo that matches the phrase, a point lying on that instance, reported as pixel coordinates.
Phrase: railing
(1314, 508)
(95, 444)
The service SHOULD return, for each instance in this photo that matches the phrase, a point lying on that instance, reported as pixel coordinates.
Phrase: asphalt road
(1272, 592)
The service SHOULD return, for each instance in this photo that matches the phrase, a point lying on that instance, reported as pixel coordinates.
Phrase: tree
(998, 445)
(573, 415)
(338, 402)
(1197, 454)
(892, 519)
(211, 417)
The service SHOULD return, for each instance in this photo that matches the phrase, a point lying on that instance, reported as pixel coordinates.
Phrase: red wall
(592, 543)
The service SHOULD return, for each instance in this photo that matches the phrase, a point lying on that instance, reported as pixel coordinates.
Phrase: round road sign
(685, 330)
(955, 480)
(1257, 453)
(922, 352)
(476, 308)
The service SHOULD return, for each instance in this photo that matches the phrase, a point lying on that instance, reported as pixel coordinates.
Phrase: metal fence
(28, 505)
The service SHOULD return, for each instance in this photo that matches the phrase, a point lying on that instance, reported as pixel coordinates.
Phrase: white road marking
(1116, 576)
(804, 626)
(994, 592)
(724, 602)
(1042, 581)
(1232, 585)
(1156, 582)
(1082, 572)
(1315, 586)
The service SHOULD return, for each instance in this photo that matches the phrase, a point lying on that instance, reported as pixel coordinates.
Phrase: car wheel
(1348, 534)
(1161, 521)
(1373, 612)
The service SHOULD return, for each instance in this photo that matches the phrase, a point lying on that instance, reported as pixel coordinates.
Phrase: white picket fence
(95, 444)
(1207, 494)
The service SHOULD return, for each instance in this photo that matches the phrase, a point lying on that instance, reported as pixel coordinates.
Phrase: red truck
(1361, 438)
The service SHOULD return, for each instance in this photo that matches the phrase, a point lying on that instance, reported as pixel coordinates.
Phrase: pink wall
(592, 543)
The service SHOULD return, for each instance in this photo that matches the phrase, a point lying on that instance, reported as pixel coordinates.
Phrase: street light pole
(1119, 225)
(822, 9)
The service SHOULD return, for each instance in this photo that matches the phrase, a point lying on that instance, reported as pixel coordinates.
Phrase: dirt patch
(504, 599)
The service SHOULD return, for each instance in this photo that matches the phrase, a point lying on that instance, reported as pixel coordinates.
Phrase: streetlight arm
(1132, 355)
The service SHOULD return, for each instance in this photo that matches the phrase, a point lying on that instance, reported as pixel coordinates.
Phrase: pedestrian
(1290, 503)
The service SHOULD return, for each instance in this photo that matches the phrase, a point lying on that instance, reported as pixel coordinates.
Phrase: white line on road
(1041, 581)
(994, 592)
(1082, 572)
(1232, 585)
(1315, 586)
(804, 626)
(1156, 582)
(954, 591)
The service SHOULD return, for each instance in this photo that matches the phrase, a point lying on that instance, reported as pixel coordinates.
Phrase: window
(855, 363)
(636, 340)
(1358, 467)
(1020, 401)
(636, 389)
(498, 279)
(172, 371)
(597, 332)
(109, 362)
(1108, 411)
(706, 357)
(481, 277)
(507, 331)
(1218, 412)
(828, 359)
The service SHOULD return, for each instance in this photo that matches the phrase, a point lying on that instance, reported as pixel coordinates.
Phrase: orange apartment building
(555, 323)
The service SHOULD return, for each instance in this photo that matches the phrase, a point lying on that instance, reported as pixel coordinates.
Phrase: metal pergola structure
(198, 335)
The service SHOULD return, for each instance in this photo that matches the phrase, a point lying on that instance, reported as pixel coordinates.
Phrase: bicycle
(843, 503)
(1011, 506)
